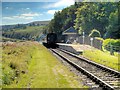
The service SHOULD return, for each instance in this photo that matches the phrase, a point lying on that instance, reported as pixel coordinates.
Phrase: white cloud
(16, 19)
(30, 14)
(61, 3)
(28, 8)
(23, 16)
(8, 8)
(51, 11)
(7, 18)
(64, 3)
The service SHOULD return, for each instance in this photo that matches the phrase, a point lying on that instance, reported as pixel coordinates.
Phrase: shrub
(8, 76)
(95, 33)
(114, 42)
(98, 38)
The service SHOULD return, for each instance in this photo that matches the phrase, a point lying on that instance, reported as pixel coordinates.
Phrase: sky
(25, 12)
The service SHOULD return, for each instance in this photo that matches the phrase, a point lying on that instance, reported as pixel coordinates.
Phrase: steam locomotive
(51, 40)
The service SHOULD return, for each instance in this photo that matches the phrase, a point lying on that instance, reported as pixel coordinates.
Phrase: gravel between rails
(106, 76)
(86, 81)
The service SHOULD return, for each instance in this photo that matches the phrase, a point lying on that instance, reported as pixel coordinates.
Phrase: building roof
(70, 30)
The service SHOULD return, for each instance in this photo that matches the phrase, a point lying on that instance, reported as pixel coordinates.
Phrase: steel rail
(93, 63)
(92, 76)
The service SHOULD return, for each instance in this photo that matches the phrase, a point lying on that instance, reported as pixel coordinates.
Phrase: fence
(94, 42)
(90, 41)
(98, 44)
(112, 48)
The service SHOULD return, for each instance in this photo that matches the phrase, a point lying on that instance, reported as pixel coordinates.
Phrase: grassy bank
(103, 58)
(4, 39)
(30, 65)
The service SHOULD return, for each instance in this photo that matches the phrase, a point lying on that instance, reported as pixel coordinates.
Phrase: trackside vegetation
(30, 65)
(114, 44)
(103, 58)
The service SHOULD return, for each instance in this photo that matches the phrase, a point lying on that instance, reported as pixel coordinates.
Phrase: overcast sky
(24, 12)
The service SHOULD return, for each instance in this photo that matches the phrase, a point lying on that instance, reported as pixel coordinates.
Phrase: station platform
(78, 47)
(74, 48)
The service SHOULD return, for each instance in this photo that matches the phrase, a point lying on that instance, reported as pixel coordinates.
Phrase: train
(51, 40)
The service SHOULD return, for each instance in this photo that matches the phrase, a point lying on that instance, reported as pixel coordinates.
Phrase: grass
(103, 58)
(29, 32)
(30, 29)
(0, 65)
(11, 39)
(15, 59)
(41, 69)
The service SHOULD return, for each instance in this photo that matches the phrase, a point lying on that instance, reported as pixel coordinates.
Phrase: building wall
(71, 37)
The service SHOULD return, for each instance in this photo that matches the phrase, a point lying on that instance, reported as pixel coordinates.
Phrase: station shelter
(70, 35)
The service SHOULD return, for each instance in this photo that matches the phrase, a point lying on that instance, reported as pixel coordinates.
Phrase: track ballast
(102, 75)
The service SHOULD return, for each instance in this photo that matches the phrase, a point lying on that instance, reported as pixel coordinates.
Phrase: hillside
(39, 23)
(35, 23)
(29, 33)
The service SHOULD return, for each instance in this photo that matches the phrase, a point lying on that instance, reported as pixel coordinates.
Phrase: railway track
(107, 78)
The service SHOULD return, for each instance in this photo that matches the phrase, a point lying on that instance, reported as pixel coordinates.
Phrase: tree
(86, 16)
(63, 20)
(94, 15)
(112, 29)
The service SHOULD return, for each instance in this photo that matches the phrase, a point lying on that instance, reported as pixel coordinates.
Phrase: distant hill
(41, 23)
(9, 27)
(28, 33)
(22, 26)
